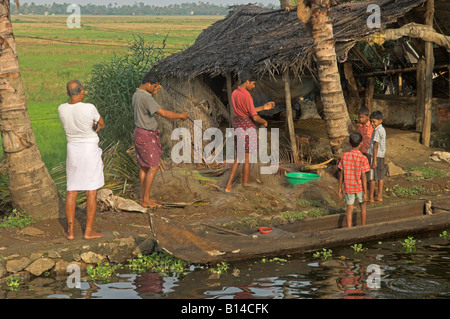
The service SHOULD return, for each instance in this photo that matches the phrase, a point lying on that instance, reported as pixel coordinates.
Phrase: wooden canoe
(200, 244)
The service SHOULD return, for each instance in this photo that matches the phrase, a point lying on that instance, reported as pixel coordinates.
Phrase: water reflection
(423, 274)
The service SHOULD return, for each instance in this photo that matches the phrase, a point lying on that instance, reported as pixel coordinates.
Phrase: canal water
(382, 270)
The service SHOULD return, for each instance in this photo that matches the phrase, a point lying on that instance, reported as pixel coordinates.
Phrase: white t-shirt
(77, 120)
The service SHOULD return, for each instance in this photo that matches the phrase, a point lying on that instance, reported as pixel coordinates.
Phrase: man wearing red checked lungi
(146, 135)
(244, 124)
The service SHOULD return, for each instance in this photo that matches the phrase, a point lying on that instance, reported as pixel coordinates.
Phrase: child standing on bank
(377, 151)
(364, 127)
(353, 166)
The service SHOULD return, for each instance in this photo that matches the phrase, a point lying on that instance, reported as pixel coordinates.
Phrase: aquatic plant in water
(102, 272)
(221, 268)
(409, 244)
(323, 254)
(160, 262)
(13, 283)
(358, 248)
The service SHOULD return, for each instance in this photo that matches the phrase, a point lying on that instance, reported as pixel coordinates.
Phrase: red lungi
(147, 147)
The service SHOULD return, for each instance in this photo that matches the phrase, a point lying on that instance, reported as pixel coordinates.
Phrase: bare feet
(228, 189)
(92, 235)
(149, 204)
(69, 236)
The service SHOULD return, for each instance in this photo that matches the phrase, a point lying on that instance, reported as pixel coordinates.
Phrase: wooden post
(369, 93)
(420, 96)
(289, 115)
(354, 101)
(429, 64)
(230, 104)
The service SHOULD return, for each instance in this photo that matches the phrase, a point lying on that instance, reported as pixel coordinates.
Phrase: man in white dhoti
(84, 166)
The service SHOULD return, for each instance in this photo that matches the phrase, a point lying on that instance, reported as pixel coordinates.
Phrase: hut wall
(193, 97)
(400, 111)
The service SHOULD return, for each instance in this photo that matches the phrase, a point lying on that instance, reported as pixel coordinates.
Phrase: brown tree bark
(32, 189)
(316, 12)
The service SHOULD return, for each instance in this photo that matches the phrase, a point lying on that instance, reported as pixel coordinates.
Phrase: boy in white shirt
(377, 151)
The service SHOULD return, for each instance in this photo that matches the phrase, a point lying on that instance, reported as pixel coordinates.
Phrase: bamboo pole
(230, 104)
(289, 115)
(429, 64)
(420, 96)
(395, 71)
(369, 93)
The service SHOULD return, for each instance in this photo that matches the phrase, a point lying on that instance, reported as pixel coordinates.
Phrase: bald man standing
(84, 166)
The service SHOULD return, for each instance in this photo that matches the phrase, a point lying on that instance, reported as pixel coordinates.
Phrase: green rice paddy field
(50, 54)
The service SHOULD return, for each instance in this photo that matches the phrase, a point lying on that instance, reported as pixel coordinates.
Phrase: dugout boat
(209, 244)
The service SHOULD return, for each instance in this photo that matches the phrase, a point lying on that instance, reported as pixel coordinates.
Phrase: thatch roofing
(265, 40)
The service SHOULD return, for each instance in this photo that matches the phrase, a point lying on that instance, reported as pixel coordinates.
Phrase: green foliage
(295, 215)
(112, 84)
(409, 244)
(275, 259)
(358, 248)
(127, 9)
(411, 191)
(16, 219)
(308, 202)
(160, 262)
(5, 196)
(13, 283)
(102, 272)
(427, 173)
(221, 268)
(444, 235)
(301, 215)
(323, 254)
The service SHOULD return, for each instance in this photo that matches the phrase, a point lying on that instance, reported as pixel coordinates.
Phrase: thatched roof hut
(267, 40)
(200, 78)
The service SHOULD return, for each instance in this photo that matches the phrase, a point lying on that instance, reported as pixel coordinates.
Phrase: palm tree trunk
(32, 189)
(334, 105)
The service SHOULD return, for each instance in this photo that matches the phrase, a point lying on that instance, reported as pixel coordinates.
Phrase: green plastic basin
(300, 178)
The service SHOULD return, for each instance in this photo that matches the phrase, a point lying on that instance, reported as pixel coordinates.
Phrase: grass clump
(411, 191)
(16, 219)
(428, 172)
(295, 215)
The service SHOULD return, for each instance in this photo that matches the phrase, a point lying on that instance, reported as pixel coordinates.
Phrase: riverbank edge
(57, 259)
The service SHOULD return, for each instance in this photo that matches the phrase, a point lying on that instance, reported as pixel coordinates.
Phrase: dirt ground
(190, 194)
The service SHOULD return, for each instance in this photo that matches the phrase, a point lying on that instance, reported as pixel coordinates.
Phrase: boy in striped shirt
(353, 166)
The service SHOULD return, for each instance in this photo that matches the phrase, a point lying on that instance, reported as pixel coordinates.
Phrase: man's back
(243, 103)
(77, 120)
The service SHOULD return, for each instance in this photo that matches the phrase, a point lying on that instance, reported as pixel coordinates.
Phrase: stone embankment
(55, 259)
